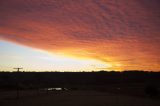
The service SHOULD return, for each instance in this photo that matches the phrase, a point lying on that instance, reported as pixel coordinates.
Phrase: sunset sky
(80, 35)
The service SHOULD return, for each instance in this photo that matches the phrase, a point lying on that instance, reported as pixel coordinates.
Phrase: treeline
(29, 80)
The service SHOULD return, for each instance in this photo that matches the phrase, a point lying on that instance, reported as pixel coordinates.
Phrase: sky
(13, 56)
(80, 35)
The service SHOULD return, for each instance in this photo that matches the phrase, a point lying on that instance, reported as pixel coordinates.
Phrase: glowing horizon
(37, 60)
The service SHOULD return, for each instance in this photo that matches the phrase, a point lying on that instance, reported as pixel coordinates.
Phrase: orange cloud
(118, 32)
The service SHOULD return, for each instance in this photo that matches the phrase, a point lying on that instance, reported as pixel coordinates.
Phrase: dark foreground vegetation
(138, 84)
(82, 80)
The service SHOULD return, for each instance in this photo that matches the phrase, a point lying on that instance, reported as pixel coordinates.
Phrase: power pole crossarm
(18, 69)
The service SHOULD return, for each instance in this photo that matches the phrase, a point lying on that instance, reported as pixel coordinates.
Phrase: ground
(73, 98)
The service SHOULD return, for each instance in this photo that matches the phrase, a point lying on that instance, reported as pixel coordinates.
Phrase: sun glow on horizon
(30, 59)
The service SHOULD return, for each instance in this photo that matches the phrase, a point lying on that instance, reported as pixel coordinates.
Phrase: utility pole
(18, 69)
(18, 88)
